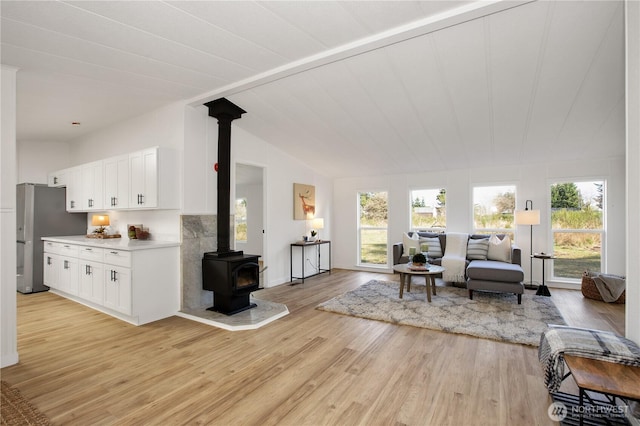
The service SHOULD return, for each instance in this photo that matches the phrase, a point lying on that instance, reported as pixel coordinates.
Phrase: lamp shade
(317, 223)
(100, 220)
(527, 217)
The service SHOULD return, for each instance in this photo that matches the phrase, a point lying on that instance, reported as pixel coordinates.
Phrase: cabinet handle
(87, 269)
(88, 249)
(48, 260)
(114, 275)
(115, 252)
(140, 199)
(72, 204)
(66, 264)
(114, 201)
(55, 180)
(90, 202)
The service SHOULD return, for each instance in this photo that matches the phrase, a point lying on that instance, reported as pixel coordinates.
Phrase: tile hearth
(251, 319)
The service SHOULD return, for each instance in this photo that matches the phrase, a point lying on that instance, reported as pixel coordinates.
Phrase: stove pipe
(225, 111)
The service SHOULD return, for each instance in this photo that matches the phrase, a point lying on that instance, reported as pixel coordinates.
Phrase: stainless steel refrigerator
(40, 212)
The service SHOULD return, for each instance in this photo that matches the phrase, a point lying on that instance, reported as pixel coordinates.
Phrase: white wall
(36, 159)
(632, 16)
(8, 324)
(532, 182)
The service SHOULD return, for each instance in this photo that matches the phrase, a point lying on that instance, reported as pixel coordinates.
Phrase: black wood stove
(231, 275)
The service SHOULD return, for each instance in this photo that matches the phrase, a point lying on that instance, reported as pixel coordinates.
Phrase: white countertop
(122, 243)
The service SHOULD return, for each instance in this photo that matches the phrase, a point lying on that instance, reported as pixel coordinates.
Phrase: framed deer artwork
(304, 201)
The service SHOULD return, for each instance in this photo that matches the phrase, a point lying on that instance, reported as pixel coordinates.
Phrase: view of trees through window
(372, 224)
(428, 210)
(493, 208)
(577, 224)
(241, 220)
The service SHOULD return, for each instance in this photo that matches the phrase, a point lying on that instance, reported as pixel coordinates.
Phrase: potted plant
(419, 259)
(313, 235)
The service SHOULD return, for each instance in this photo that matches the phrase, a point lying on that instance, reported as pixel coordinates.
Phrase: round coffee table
(429, 275)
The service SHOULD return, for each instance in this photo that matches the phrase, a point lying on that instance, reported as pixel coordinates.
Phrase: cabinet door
(117, 289)
(116, 183)
(68, 275)
(91, 281)
(73, 177)
(56, 179)
(143, 172)
(50, 270)
(92, 189)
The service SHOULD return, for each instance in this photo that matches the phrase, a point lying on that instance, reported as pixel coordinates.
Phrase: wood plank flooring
(81, 367)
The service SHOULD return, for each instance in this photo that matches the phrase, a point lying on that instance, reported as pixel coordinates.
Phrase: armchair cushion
(477, 249)
(433, 247)
(410, 241)
(499, 249)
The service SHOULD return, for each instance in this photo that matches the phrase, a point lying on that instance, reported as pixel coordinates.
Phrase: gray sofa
(481, 275)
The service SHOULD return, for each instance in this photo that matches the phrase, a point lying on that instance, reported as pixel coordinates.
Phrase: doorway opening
(249, 213)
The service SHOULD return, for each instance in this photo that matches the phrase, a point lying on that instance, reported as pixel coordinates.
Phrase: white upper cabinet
(116, 182)
(73, 179)
(92, 186)
(57, 179)
(154, 178)
(147, 179)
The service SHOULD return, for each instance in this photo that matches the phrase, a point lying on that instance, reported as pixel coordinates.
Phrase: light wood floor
(81, 367)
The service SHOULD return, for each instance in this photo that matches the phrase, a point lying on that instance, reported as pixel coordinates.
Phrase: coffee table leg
(433, 284)
(401, 284)
(428, 290)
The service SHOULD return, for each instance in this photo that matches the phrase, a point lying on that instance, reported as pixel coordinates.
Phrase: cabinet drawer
(68, 250)
(118, 257)
(91, 253)
(51, 247)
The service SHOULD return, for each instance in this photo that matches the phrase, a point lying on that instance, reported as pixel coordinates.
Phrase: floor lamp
(530, 217)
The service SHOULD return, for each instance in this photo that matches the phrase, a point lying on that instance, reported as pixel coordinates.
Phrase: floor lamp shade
(527, 217)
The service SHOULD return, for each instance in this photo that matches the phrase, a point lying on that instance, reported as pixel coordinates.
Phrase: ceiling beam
(437, 22)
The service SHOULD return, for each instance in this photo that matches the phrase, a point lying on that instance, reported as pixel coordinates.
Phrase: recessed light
(75, 123)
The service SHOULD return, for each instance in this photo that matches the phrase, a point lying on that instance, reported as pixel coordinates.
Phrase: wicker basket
(590, 291)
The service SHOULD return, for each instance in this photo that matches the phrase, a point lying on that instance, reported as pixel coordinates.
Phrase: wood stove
(230, 274)
(232, 279)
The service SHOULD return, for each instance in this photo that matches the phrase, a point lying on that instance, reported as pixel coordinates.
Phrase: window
(372, 228)
(428, 210)
(493, 208)
(577, 226)
(241, 220)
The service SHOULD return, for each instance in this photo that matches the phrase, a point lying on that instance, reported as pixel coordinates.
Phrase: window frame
(425, 229)
(602, 231)
(359, 229)
(487, 231)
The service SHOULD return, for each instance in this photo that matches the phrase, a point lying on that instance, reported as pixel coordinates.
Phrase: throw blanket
(454, 259)
(559, 340)
(610, 287)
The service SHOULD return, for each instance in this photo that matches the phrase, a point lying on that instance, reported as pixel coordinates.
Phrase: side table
(543, 290)
(303, 245)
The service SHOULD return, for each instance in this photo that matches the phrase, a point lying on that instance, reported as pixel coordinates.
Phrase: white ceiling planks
(352, 88)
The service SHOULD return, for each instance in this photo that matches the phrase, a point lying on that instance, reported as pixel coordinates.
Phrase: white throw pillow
(433, 247)
(499, 249)
(477, 249)
(408, 242)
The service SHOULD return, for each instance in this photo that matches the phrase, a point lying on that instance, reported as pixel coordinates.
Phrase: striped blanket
(558, 340)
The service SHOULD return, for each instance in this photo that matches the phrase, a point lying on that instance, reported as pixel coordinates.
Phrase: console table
(303, 246)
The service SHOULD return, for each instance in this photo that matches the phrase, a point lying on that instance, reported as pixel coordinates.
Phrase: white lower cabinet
(138, 286)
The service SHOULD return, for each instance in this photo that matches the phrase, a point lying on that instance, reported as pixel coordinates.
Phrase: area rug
(494, 316)
(17, 411)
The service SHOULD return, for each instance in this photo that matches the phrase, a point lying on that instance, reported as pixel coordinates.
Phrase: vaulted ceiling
(353, 88)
